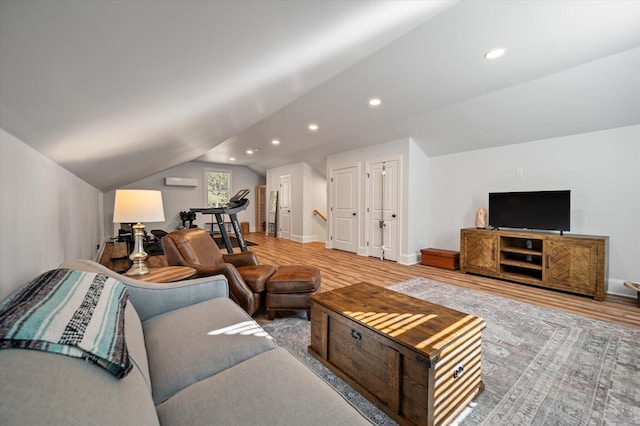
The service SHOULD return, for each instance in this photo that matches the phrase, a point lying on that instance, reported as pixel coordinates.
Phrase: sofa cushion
(192, 343)
(273, 388)
(40, 388)
(135, 343)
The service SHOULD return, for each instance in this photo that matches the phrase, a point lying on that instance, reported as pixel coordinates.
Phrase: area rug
(233, 240)
(539, 366)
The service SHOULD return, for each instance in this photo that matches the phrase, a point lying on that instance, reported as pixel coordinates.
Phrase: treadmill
(236, 204)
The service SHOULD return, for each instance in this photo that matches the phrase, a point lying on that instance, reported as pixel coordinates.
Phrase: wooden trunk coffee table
(417, 361)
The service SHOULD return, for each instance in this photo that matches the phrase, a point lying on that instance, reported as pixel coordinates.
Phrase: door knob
(393, 215)
(353, 214)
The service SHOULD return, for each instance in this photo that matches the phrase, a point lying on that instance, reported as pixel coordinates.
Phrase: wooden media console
(572, 263)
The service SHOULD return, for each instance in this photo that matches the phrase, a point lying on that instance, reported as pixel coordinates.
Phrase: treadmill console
(241, 195)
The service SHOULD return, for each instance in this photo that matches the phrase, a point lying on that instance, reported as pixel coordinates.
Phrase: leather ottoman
(290, 287)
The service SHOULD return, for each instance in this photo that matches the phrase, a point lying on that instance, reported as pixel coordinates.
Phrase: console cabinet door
(479, 253)
(571, 265)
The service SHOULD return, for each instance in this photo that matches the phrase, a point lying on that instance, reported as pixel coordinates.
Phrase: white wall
(418, 203)
(320, 194)
(308, 192)
(442, 194)
(394, 149)
(47, 215)
(179, 198)
(315, 198)
(602, 170)
(297, 178)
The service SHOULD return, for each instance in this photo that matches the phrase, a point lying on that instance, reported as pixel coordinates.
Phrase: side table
(634, 286)
(167, 274)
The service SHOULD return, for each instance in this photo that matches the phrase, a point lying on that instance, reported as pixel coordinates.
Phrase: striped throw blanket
(68, 312)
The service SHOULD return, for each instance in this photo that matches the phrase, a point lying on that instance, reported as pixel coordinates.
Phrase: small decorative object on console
(481, 218)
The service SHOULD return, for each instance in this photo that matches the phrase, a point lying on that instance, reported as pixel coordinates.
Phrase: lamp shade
(138, 205)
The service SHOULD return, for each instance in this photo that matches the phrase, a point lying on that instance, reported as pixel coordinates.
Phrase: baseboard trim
(100, 251)
(618, 288)
(408, 259)
(305, 238)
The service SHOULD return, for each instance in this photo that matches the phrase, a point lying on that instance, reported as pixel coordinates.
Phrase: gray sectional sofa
(198, 359)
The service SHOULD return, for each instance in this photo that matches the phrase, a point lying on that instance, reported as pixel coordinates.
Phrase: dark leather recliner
(195, 248)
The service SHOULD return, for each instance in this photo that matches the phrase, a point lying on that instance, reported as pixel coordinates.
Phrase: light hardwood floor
(340, 269)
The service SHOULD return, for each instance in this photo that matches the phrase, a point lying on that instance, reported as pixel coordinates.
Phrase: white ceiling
(115, 91)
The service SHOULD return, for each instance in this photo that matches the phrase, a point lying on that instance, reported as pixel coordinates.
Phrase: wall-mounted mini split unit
(173, 181)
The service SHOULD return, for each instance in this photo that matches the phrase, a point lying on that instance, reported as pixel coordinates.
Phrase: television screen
(540, 210)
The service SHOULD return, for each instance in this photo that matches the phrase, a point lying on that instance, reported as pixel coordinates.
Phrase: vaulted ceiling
(115, 91)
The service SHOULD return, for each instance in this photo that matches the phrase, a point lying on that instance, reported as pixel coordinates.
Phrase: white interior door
(383, 189)
(344, 209)
(284, 198)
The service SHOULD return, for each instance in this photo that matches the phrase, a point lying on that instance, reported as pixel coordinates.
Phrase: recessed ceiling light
(232, 158)
(275, 142)
(494, 53)
(313, 127)
(249, 151)
(375, 101)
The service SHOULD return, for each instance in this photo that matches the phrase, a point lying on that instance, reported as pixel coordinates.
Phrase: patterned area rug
(539, 366)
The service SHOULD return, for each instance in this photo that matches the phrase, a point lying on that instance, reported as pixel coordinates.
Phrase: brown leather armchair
(195, 248)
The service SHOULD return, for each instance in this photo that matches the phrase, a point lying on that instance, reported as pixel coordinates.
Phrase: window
(218, 187)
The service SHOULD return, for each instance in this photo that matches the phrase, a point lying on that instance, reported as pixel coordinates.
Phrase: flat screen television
(539, 210)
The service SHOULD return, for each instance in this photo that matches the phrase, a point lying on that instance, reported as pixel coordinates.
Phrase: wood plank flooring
(340, 269)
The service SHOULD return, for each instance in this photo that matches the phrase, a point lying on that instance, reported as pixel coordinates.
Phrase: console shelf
(523, 265)
(520, 251)
(573, 263)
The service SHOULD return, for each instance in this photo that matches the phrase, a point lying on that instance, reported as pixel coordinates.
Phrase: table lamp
(138, 205)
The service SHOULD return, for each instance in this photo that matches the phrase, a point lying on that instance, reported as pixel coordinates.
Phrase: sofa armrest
(151, 299)
(246, 258)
